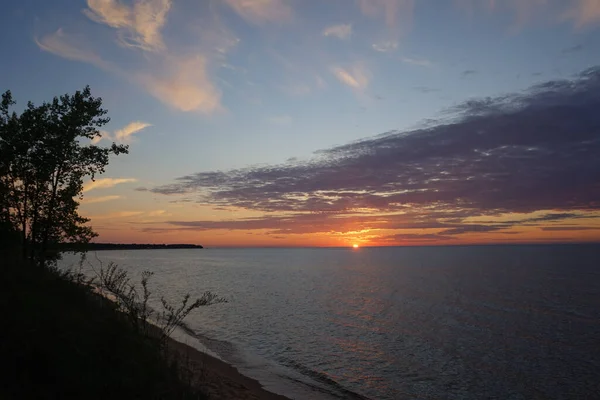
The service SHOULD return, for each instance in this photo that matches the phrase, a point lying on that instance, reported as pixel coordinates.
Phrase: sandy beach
(215, 377)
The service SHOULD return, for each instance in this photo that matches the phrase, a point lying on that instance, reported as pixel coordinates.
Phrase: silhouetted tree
(44, 156)
(8, 235)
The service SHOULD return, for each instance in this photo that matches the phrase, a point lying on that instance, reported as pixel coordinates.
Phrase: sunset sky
(328, 122)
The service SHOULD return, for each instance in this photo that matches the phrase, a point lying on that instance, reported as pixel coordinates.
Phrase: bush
(114, 282)
(61, 338)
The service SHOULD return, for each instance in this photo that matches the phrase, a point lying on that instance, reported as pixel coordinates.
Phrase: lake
(506, 322)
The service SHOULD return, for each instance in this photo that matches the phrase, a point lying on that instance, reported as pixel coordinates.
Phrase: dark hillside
(58, 340)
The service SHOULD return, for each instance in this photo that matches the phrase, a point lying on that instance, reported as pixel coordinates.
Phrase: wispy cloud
(117, 215)
(124, 134)
(398, 14)
(572, 49)
(580, 12)
(296, 89)
(341, 31)
(425, 89)
(157, 213)
(138, 25)
(357, 76)
(260, 11)
(390, 10)
(419, 62)
(133, 216)
(386, 46)
(179, 80)
(412, 225)
(396, 18)
(186, 85)
(72, 48)
(584, 12)
(100, 199)
(104, 183)
(104, 135)
(128, 214)
(280, 120)
(515, 154)
(522, 10)
(570, 228)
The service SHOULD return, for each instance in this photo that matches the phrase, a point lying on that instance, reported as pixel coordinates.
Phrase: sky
(328, 122)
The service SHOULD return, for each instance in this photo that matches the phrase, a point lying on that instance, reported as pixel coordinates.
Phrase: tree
(7, 233)
(45, 154)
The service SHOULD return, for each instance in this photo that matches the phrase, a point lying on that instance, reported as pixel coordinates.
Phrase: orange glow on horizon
(150, 224)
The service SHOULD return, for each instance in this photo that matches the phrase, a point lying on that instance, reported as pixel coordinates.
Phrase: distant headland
(126, 246)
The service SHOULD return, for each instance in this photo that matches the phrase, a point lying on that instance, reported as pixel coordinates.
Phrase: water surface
(506, 322)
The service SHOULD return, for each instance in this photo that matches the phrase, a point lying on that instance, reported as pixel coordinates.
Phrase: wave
(327, 385)
(332, 387)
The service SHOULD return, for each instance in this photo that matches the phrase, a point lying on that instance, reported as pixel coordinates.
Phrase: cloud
(127, 214)
(553, 217)
(104, 135)
(580, 12)
(101, 199)
(414, 237)
(394, 18)
(413, 224)
(72, 48)
(386, 46)
(297, 89)
(520, 153)
(357, 77)
(281, 120)
(522, 10)
(289, 224)
(572, 49)
(122, 135)
(419, 62)
(138, 25)
(116, 215)
(469, 228)
(109, 12)
(104, 183)
(180, 80)
(425, 89)
(148, 216)
(186, 86)
(569, 228)
(260, 11)
(341, 31)
(157, 213)
(398, 14)
(584, 12)
(125, 133)
(389, 10)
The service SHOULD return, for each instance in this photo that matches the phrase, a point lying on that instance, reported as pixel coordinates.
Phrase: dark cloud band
(519, 153)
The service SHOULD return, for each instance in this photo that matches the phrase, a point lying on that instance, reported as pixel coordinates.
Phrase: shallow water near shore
(514, 322)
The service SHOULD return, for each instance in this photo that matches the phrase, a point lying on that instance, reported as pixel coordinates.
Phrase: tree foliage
(45, 155)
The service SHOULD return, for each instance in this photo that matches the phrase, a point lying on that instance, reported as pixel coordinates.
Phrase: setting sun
(355, 246)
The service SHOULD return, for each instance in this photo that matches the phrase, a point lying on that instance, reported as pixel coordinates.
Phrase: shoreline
(219, 379)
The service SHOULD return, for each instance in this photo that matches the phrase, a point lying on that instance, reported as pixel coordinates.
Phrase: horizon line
(350, 246)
